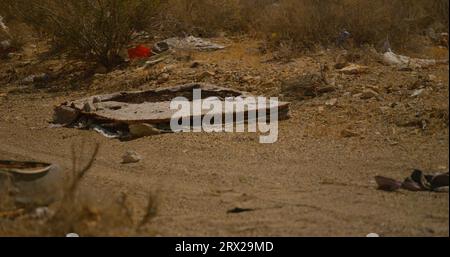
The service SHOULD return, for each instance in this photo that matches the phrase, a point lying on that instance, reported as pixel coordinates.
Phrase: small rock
(195, 64)
(65, 115)
(348, 133)
(331, 102)
(131, 157)
(206, 74)
(164, 77)
(368, 93)
(169, 68)
(96, 99)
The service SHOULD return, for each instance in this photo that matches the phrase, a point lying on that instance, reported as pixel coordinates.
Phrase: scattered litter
(417, 181)
(405, 62)
(195, 64)
(139, 52)
(131, 157)
(130, 115)
(160, 47)
(153, 62)
(343, 37)
(105, 132)
(187, 43)
(354, 69)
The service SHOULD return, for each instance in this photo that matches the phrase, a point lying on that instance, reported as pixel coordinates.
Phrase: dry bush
(78, 211)
(308, 22)
(303, 23)
(203, 17)
(96, 30)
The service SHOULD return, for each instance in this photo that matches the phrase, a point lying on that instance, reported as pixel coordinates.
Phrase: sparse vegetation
(303, 23)
(96, 30)
(99, 30)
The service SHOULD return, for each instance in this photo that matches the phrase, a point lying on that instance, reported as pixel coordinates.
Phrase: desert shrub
(97, 30)
(307, 22)
(204, 17)
(303, 23)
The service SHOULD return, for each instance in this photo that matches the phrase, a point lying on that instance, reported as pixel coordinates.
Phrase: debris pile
(405, 62)
(417, 181)
(187, 43)
(130, 115)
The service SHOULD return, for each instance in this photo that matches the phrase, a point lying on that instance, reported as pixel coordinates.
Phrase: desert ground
(317, 180)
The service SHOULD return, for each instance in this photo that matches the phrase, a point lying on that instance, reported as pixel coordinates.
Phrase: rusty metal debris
(129, 115)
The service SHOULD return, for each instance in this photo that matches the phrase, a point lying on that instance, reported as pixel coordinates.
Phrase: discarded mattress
(186, 43)
(129, 115)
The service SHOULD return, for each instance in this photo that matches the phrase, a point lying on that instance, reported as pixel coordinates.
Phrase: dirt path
(312, 182)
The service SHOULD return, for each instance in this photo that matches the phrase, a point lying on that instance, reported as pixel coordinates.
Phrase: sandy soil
(312, 182)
